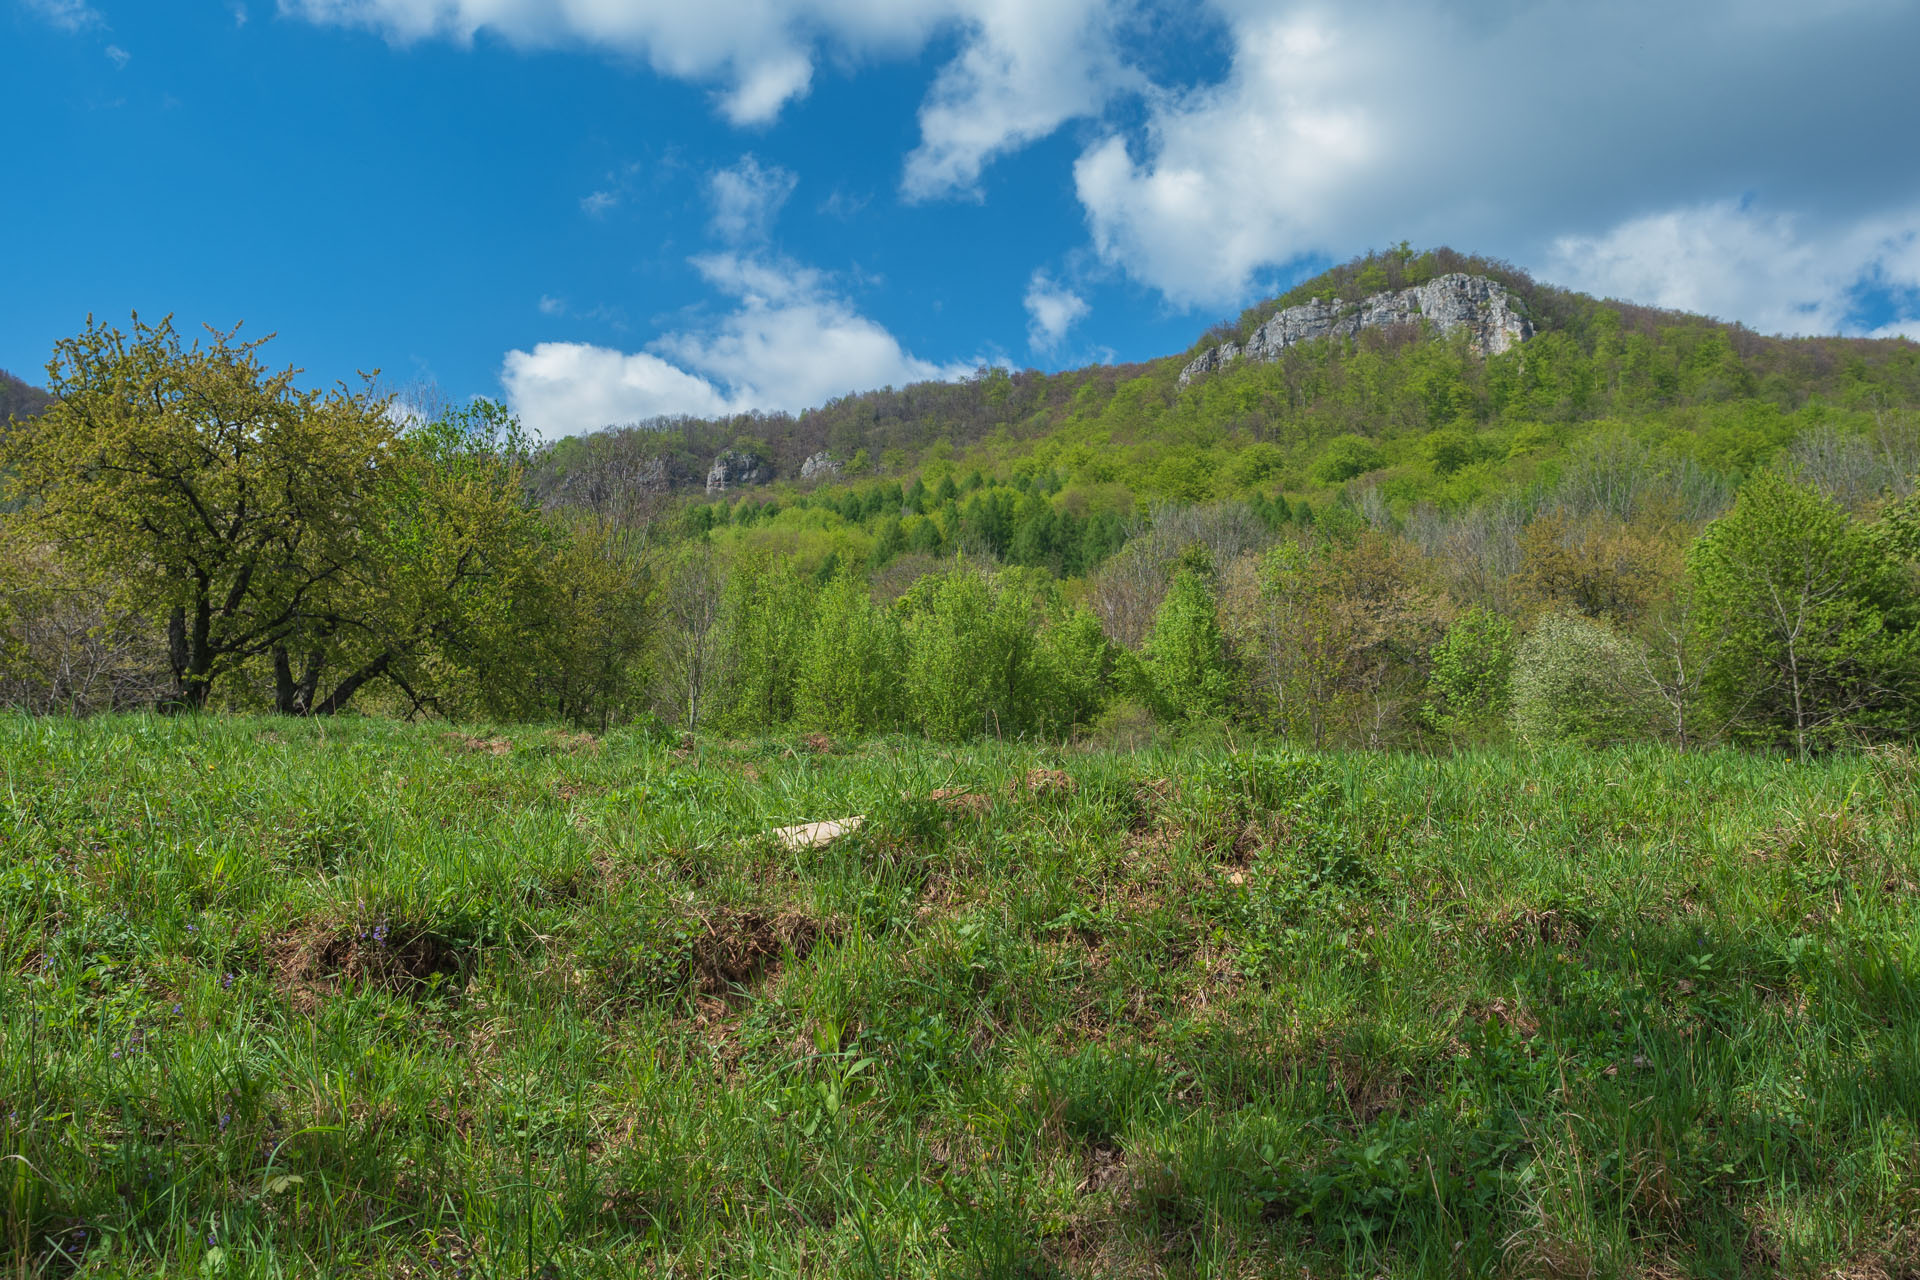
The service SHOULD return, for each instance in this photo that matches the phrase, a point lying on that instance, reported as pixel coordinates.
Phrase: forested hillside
(1412, 412)
(1632, 524)
(19, 399)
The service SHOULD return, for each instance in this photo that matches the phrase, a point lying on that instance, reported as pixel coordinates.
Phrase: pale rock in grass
(810, 835)
(1493, 318)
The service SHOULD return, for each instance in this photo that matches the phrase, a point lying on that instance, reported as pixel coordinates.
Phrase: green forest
(1636, 525)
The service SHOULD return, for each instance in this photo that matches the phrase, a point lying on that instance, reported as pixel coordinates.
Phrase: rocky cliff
(733, 468)
(1494, 318)
(821, 466)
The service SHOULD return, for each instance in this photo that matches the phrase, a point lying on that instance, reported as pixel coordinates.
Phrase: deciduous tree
(218, 495)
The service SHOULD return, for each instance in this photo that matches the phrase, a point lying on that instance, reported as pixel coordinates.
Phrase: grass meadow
(299, 998)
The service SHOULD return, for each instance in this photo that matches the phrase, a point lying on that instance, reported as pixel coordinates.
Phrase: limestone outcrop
(1493, 317)
(734, 468)
(821, 466)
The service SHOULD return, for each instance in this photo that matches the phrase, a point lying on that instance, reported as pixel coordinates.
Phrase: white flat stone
(811, 834)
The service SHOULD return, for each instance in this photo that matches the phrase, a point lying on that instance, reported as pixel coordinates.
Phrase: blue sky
(608, 209)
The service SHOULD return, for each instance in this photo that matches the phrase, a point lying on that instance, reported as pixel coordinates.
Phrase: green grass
(297, 998)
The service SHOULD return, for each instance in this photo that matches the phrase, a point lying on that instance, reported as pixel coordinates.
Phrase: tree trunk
(189, 657)
(285, 692)
(342, 692)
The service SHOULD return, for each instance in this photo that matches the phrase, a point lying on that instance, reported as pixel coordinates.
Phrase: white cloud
(597, 204)
(118, 57)
(790, 342)
(239, 15)
(763, 88)
(1052, 309)
(747, 197)
(68, 15)
(1241, 175)
(760, 52)
(563, 388)
(1503, 129)
(552, 306)
(1028, 68)
(1733, 261)
(1023, 67)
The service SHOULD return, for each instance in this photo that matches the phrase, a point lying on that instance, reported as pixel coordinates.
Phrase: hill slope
(1427, 417)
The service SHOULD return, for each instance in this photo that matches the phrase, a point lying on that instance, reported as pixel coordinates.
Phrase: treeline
(1013, 522)
(192, 530)
(1788, 622)
(1386, 541)
(885, 431)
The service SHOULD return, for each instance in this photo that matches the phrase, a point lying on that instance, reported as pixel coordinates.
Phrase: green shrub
(1072, 665)
(1574, 680)
(1184, 664)
(848, 681)
(1346, 457)
(1468, 690)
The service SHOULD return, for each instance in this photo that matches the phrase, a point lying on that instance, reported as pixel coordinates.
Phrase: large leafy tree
(1813, 619)
(437, 591)
(221, 497)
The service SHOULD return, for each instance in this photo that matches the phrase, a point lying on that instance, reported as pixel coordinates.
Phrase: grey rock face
(1493, 317)
(821, 466)
(733, 468)
(651, 476)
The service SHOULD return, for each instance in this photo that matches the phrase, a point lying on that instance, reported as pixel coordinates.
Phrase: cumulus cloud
(1732, 260)
(118, 57)
(1052, 309)
(790, 342)
(562, 388)
(759, 52)
(1028, 68)
(764, 87)
(1500, 128)
(746, 197)
(1241, 175)
(598, 203)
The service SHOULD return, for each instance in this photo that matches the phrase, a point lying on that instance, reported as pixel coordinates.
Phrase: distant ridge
(20, 399)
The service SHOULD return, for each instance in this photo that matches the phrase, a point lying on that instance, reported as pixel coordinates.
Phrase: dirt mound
(741, 947)
(960, 800)
(1044, 784)
(480, 746)
(327, 960)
